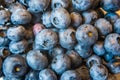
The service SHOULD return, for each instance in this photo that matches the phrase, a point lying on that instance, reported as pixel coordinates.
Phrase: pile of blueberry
(59, 39)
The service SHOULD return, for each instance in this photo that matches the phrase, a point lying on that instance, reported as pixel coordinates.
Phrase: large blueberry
(117, 26)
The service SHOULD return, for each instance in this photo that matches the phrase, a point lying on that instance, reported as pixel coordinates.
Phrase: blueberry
(112, 43)
(114, 66)
(82, 5)
(36, 60)
(108, 57)
(60, 18)
(46, 39)
(32, 75)
(14, 66)
(4, 52)
(60, 3)
(36, 6)
(47, 74)
(9, 1)
(11, 78)
(76, 19)
(86, 35)
(98, 48)
(93, 60)
(76, 60)
(61, 63)
(117, 26)
(90, 16)
(99, 71)
(18, 47)
(67, 38)
(21, 16)
(83, 51)
(4, 16)
(110, 5)
(46, 19)
(16, 33)
(70, 75)
(103, 26)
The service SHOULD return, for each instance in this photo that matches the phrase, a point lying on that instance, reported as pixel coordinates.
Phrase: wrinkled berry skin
(60, 18)
(110, 5)
(90, 16)
(99, 71)
(32, 75)
(112, 44)
(36, 6)
(117, 26)
(18, 47)
(114, 66)
(17, 66)
(36, 60)
(70, 75)
(103, 26)
(46, 39)
(4, 16)
(67, 38)
(98, 48)
(86, 35)
(76, 60)
(61, 63)
(16, 33)
(47, 74)
(60, 3)
(82, 5)
(21, 16)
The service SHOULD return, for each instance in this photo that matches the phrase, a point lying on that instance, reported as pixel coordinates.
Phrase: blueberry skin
(112, 43)
(117, 26)
(70, 75)
(61, 63)
(4, 16)
(46, 39)
(76, 60)
(17, 66)
(86, 35)
(4, 41)
(114, 66)
(112, 17)
(90, 16)
(98, 48)
(16, 33)
(47, 74)
(36, 60)
(93, 60)
(21, 16)
(46, 19)
(11, 78)
(103, 26)
(83, 51)
(4, 52)
(36, 6)
(18, 47)
(99, 71)
(67, 38)
(108, 57)
(60, 18)
(24, 2)
(76, 19)
(81, 5)
(110, 5)
(32, 75)
(60, 3)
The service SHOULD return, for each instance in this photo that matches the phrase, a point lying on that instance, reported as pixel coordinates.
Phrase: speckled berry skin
(60, 18)
(86, 35)
(14, 62)
(36, 60)
(70, 75)
(112, 44)
(21, 16)
(47, 74)
(103, 26)
(46, 39)
(99, 71)
(61, 63)
(117, 26)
